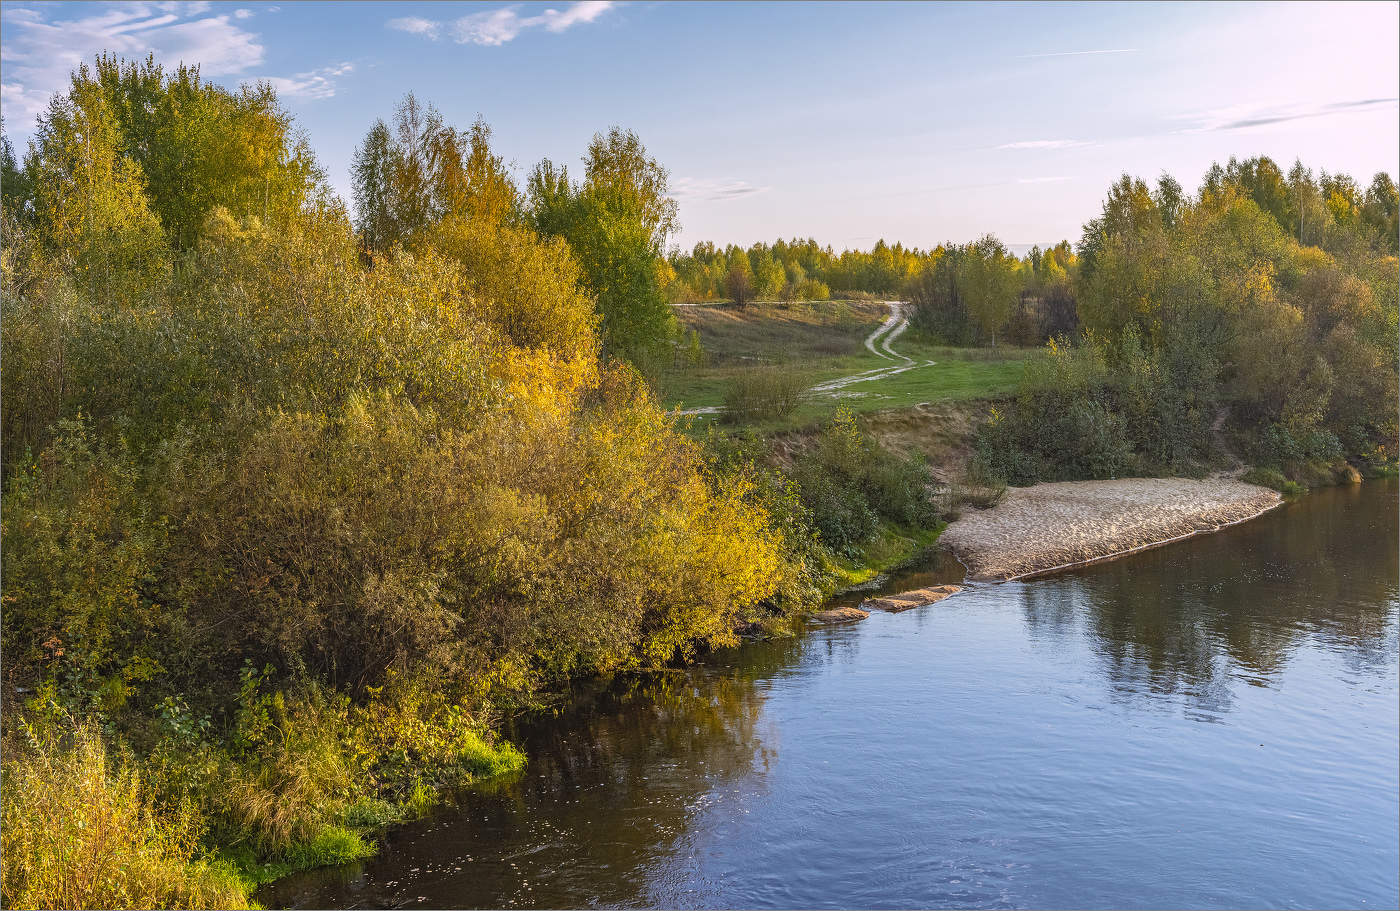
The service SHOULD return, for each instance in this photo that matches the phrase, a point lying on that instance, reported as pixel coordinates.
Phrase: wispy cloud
(1118, 50)
(1041, 179)
(712, 189)
(1045, 144)
(1243, 117)
(40, 51)
(416, 25)
(495, 27)
(314, 85)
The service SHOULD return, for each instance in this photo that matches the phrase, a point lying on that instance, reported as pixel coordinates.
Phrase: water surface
(1210, 724)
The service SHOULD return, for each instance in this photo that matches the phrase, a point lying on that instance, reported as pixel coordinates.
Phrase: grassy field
(823, 341)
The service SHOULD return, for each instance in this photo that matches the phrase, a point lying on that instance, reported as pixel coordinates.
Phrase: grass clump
(83, 831)
(978, 487)
(763, 393)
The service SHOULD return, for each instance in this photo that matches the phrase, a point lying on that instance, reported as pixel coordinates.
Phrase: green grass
(957, 373)
(821, 341)
(892, 548)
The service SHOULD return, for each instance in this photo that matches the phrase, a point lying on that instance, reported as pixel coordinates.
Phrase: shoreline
(1048, 528)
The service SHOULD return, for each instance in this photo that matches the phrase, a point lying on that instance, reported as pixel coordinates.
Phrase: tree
(616, 221)
(1381, 212)
(373, 189)
(200, 146)
(88, 202)
(738, 282)
(991, 283)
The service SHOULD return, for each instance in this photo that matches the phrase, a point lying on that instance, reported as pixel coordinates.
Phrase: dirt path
(880, 343)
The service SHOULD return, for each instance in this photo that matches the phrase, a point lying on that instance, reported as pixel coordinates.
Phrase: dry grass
(780, 331)
(81, 833)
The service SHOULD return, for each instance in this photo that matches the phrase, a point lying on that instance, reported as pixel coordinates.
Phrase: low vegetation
(763, 393)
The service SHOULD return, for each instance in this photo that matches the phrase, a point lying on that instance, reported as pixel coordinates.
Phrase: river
(1215, 723)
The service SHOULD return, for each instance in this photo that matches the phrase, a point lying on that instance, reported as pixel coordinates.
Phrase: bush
(849, 482)
(979, 487)
(1093, 411)
(763, 393)
(1271, 478)
(809, 289)
(82, 832)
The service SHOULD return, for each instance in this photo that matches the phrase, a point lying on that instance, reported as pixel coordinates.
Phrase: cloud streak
(1046, 144)
(713, 190)
(1244, 117)
(416, 25)
(312, 86)
(495, 27)
(1119, 50)
(40, 52)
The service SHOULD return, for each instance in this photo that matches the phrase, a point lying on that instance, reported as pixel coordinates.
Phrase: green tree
(88, 202)
(616, 221)
(990, 284)
(370, 175)
(200, 146)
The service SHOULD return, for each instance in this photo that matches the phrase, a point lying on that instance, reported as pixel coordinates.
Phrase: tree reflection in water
(1193, 619)
(623, 766)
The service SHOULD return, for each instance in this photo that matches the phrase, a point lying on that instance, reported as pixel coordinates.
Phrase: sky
(918, 123)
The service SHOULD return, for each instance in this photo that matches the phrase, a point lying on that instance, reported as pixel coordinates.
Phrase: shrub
(810, 289)
(763, 393)
(979, 487)
(82, 832)
(1271, 478)
(849, 482)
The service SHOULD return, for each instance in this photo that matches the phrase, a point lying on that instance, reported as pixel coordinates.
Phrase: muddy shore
(1055, 526)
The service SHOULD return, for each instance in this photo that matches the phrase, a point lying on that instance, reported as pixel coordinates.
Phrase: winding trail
(880, 344)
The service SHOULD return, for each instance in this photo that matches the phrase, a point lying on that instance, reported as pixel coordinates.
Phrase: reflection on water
(1191, 620)
(1212, 723)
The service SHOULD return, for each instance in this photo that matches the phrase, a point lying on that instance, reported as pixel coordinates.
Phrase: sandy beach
(1055, 526)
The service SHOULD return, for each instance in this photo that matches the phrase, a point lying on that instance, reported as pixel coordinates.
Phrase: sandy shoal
(1055, 526)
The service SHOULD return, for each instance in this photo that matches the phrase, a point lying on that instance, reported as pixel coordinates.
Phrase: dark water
(1211, 724)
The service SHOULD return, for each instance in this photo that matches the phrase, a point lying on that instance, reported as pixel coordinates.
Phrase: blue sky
(847, 122)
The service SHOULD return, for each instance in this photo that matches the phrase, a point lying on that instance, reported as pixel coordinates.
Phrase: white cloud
(40, 52)
(312, 86)
(712, 189)
(1045, 144)
(416, 25)
(21, 105)
(493, 28)
(242, 13)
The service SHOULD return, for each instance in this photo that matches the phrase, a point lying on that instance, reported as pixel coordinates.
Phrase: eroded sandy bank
(1054, 526)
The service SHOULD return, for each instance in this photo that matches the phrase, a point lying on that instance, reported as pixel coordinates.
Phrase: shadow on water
(1236, 689)
(613, 779)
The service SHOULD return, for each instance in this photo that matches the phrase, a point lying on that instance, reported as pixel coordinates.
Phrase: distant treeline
(1253, 319)
(980, 293)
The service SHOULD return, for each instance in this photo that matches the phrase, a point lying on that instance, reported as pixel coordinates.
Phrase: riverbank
(1048, 527)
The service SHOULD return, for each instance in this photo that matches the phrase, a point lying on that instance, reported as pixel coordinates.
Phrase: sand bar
(1055, 526)
(911, 599)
